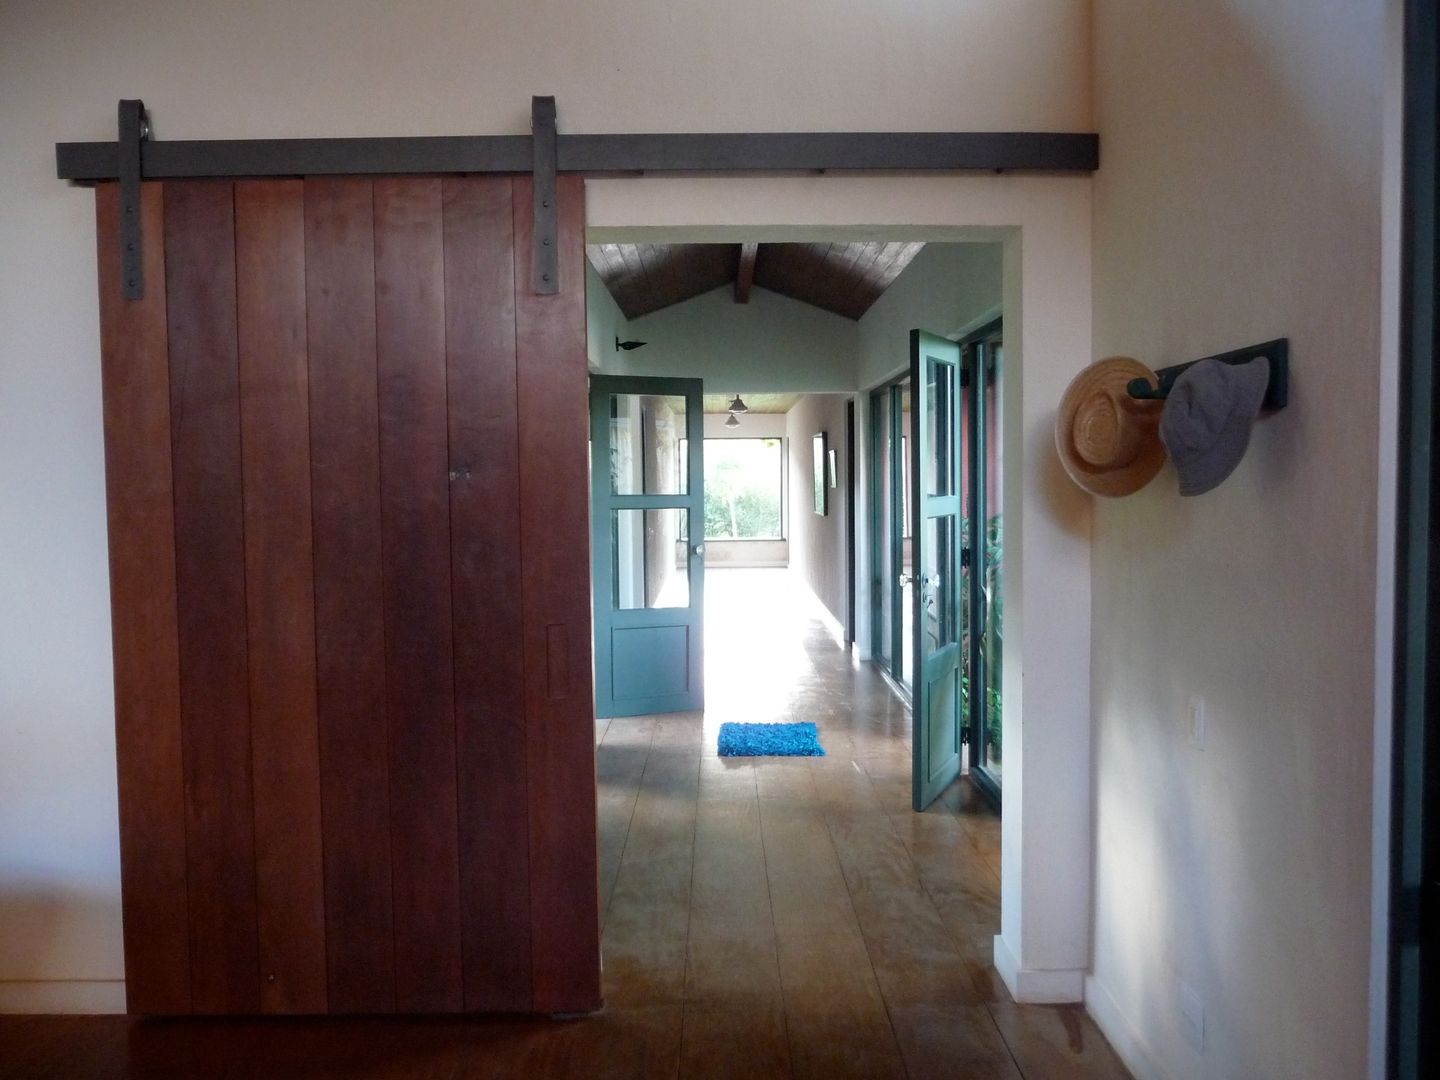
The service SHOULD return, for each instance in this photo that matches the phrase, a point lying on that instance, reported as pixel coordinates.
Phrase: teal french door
(954, 641)
(937, 694)
(648, 530)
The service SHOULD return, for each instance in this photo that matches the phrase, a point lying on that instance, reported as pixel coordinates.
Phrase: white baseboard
(63, 996)
(1120, 1032)
(1035, 987)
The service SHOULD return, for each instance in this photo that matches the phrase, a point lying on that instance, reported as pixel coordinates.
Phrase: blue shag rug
(770, 740)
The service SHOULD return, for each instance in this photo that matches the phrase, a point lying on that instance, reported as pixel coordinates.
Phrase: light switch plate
(1195, 722)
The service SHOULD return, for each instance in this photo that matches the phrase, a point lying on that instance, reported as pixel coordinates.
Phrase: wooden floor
(765, 918)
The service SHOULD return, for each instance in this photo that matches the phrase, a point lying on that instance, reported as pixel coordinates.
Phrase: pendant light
(738, 406)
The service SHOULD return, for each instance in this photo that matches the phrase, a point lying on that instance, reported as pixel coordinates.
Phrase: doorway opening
(732, 526)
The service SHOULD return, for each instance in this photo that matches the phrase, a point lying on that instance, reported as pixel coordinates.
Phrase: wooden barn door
(346, 455)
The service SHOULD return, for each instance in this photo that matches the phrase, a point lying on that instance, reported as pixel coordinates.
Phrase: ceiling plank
(842, 278)
(745, 272)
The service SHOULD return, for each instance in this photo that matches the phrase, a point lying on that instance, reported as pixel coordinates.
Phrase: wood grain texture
(647, 277)
(415, 500)
(280, 595)
(349, 594)
(485, 592)
(554, 516)
(842, 278)
(210, 576)
(745, 272)
(349, 513)
(845, 279)
(135, 377)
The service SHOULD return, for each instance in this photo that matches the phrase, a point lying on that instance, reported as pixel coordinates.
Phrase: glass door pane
(905, 599)
(650, 562)
(881, 519)
(647, 443)
(992, 643)
(968, 647)
(984, 527)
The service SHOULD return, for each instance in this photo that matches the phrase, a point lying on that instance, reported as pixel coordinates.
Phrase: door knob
(699, 549)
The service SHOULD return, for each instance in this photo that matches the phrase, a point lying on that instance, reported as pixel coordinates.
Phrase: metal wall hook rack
(1277, 394)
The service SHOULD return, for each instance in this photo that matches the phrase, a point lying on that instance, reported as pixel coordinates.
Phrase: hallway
(794, 916)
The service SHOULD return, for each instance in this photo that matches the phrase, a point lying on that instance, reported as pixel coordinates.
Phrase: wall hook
(1277, 394)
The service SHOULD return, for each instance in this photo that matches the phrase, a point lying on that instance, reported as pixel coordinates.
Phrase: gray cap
(1206, 423)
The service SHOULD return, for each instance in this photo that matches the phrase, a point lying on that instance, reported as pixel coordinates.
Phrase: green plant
(992, 641)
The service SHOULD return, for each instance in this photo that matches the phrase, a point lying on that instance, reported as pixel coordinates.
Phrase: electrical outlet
(1195, 720)
(1192, 1017)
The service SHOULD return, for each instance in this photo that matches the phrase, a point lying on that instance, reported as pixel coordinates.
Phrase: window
(744, 489)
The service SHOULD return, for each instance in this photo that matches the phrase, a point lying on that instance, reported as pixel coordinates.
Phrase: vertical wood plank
(415, 499)
(280, 600)
(555, 571)
(210, 574)
(349, 595)
(135, 376)
(485, 592)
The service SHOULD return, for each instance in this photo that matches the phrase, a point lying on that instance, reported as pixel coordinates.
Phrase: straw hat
(1108, 441)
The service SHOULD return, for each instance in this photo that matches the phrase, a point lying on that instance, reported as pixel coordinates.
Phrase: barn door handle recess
(134, 130)
(545, 258)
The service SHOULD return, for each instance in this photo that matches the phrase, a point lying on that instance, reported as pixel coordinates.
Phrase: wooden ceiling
(841, 278)
(755, 403)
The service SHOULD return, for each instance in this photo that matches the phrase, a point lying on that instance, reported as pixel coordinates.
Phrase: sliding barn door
(346, 452)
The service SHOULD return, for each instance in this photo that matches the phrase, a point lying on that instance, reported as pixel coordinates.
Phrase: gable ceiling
(841, 278)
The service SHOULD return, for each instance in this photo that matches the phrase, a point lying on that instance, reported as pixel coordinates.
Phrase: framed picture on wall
(818, 461)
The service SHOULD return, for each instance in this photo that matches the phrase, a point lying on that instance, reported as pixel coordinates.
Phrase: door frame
(1412, 1041)
(888, 523)
(851, 629)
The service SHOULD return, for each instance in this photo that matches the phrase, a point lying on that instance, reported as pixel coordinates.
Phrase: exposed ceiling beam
(745, 272)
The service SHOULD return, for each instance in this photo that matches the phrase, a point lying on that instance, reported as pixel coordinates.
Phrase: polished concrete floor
(762, 918)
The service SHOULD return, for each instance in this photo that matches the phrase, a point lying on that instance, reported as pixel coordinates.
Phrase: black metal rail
(135, 157)
(89, 162)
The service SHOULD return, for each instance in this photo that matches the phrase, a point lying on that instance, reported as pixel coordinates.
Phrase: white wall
(817, 544)
(1239, 200)
(604, 324)
(255, 68)
(948, 289)
(772, 343)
